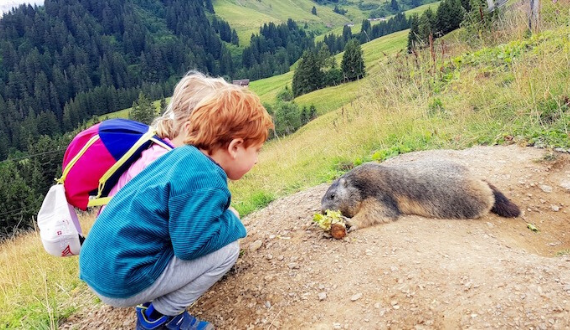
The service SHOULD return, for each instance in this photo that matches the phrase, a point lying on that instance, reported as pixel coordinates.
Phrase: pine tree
(314, 11)
(365, 31)
(457, 13)
(304, 115)
(426, 26)
(308, 75)
(394, 6)
(17, 200)
(352, 61)
(346, 33)
(413, 35)
(312, 112)
(143, 111)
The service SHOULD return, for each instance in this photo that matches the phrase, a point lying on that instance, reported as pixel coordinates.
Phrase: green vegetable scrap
(326, 220)
(532, 227)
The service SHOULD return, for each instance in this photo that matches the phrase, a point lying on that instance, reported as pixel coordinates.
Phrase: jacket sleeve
(200, 223)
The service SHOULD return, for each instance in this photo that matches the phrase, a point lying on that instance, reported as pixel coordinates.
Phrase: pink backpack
(92, 164)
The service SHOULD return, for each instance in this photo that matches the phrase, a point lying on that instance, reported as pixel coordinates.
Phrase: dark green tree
(352, 64)
(365, 31)
(457, 13)
(18, 200)
(443, 18)
(414, 34)
(308, 75)
(426, 26)
(304, 115)
(314, 11)
(394, 6)
(449, 16)
(346, 33)
(143, 110)
(312, 112)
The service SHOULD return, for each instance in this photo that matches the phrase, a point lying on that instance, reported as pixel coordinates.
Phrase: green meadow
(247, 16)
(357, 25)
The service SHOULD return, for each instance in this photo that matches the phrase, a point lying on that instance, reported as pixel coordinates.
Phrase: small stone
(555, 208)
(322, 296)
(356, 296)
(293, 265)
(255, 245)
(545, 188)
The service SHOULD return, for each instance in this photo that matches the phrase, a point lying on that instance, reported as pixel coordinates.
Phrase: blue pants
(183, 282)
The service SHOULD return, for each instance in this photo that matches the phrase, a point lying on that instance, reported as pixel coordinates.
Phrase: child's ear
(233, 147)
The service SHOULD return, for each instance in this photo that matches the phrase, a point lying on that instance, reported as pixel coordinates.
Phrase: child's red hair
(229, 113)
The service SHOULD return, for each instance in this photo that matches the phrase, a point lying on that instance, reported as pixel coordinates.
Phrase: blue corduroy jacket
(177, 206)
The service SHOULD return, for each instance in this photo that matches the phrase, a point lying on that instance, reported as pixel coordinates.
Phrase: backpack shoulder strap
(150, 135)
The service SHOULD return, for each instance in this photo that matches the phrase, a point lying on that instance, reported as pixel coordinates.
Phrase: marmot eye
(332, 196)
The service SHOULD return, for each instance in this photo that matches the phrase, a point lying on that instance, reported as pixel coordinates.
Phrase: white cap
(59, 227)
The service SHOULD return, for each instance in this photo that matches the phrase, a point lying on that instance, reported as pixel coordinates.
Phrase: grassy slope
(358, 24)
(246, 16)
(332, 98)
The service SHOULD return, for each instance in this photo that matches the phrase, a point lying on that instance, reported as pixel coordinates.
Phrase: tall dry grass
(37, 289)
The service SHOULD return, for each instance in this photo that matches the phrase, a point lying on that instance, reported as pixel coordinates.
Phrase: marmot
(373, 193)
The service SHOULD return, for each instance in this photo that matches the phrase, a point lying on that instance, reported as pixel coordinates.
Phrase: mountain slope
(246, 16)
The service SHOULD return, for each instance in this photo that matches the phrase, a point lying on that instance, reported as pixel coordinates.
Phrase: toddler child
(169, 234)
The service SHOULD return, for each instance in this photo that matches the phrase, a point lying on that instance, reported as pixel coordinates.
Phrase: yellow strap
(161, 143)
(74, 160)
(143, 139)
(98, 201)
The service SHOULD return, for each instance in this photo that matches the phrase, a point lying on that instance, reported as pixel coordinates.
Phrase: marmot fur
(373, 193)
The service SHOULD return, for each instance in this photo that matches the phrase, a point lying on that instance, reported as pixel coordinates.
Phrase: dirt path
(415, 273)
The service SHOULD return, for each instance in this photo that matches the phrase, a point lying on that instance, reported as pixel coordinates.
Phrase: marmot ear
(342, 182)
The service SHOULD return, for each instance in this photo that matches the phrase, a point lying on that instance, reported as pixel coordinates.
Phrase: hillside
(246, 16)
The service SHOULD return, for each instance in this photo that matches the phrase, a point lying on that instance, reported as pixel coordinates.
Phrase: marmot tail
(503, 206)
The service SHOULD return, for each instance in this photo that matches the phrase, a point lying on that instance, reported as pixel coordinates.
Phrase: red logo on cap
(66, 252)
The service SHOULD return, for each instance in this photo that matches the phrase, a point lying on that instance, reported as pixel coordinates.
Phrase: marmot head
(342, 196)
